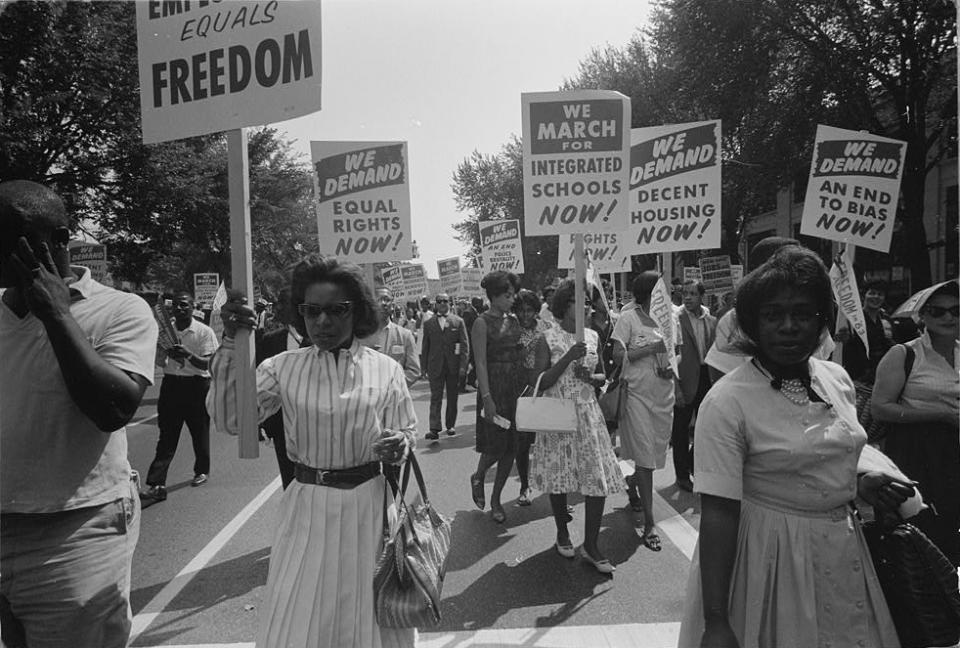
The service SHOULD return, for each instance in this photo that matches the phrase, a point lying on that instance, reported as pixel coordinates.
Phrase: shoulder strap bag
(546, 413)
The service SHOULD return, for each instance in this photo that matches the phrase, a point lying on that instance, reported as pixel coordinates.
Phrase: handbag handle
(536, 389)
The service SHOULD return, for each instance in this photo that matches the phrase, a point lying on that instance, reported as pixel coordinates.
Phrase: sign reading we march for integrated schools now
(363, 200)
(854, 187)
(205, 286)
(576, 149)
(605, 250)
(500, 241)
(209, 66)
(674, 188)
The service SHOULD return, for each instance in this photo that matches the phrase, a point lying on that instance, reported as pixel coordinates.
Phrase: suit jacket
(398, 343)
(269, 345)
(690, 353)
(447, 349)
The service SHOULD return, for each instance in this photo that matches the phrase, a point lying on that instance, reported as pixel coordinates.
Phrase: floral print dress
(584, 460)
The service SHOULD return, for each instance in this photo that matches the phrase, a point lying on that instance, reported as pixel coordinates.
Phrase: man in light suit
(445, 355)
(394, 340)
(698, 329)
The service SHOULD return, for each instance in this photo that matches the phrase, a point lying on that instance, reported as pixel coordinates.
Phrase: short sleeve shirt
(752, 443)
(52, 457)
(200, 340)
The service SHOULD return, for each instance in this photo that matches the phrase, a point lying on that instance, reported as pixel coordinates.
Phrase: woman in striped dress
(346, 408)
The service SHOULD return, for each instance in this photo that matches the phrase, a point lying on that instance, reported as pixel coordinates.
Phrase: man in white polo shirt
(77, 357)
(183, 395)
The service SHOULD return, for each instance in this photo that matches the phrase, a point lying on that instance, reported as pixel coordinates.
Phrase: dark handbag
(611, 401)
(408, 577)
(918, 582)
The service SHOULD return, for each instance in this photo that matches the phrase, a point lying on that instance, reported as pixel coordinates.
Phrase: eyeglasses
(776, 317)
(940, 311)
(336, 309)
(443, 301)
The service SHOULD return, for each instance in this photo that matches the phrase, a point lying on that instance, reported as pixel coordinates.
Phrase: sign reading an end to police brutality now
(363, 200)
(209, 66)
(675, 188)
(500, 241)
(576, 149)
(605, 250)
(854, 186)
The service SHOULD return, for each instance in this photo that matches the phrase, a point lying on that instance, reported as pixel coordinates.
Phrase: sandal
(498, 515)
(651, 540)
(476, 490)
(565, 550)
(524, 499)
(603, 565)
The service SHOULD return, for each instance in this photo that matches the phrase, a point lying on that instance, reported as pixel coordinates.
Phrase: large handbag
(918, 582)
(546, 413)
(611, 401)
(408, 577)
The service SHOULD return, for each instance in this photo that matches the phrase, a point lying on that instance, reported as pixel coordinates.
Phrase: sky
(446, 76)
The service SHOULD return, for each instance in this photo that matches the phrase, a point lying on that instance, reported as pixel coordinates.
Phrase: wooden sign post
(580, 277)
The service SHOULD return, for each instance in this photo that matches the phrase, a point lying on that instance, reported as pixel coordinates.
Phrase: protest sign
(434, 288)
(576, 149)
(90, 255)
(363, 200)
(717, 277)
(675, 188)
(167, 337)
(470, 278)
(854, 187)
(500, 241)
(205, 285)
(413, 279)
(845, 291)
(449, 272)
(736, 274)
(661, 310)
(692, 273)
(604, 248)
(393, 281)
(207, 66)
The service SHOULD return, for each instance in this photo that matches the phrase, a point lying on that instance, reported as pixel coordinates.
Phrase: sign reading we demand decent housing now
(576, 148)
(363, 200)
(213, 66)
(853, 189)
(675, 188)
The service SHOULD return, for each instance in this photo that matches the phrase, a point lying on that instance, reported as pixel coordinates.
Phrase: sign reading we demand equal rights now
(500, 242)
(363, 200)
(576, 148)
(853, 189)
(674, 188)
(208, 66)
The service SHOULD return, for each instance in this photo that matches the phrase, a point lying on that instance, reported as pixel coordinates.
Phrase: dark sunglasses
(443, 301)
(940, 311)
(336, 309)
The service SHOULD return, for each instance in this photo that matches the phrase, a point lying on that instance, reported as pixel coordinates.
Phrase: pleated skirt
(320, 584)
(798, 582)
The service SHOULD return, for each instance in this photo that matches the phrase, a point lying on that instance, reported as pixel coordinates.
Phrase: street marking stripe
(170, 591)
(674, 526)
(626, 635)
(142, 421)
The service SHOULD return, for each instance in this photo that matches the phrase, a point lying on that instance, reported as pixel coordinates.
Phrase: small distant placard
(93, 256)
(449, 272)
(205, 286)
(717, 277)
(500, 242)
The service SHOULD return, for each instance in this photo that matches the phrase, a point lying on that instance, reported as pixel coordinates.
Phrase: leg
(170, 417)
(504, 466)
(523, 463)
(436, 399)
(591, 524)
(644, 478)
(452, 380)
(198, 422)
(477, 479)
(558, 504)
(680, 440)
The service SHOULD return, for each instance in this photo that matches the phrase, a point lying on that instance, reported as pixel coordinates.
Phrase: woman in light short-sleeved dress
(781, 561)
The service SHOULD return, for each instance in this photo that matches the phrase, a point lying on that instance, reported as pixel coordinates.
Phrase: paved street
(201, 565)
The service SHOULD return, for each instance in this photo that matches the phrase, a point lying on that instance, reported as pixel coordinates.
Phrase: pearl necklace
(794, 391)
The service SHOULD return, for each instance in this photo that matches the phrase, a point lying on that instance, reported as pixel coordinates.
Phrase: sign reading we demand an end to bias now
(500, 242)
(854, 187)
(675, 188)
(576, 148)
(363, 200)
(208, 66)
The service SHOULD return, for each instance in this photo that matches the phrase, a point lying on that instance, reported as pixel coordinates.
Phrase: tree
(490, 187)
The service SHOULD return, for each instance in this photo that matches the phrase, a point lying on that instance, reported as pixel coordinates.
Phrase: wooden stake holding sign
(580, 279)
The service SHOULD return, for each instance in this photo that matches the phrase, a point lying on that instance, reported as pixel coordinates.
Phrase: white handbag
(546, 413)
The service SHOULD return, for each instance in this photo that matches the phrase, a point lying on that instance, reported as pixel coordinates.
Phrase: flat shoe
(603, 565)
(476, 491)
(651, 540)
(524, 499)
(567, 550)
(498, 515)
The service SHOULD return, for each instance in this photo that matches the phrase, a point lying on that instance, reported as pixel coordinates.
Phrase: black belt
(344, 478)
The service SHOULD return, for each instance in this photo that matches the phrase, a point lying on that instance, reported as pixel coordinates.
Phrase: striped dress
(320, 584)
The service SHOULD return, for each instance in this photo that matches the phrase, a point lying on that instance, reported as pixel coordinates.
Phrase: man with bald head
(77, 357)
(444, 358)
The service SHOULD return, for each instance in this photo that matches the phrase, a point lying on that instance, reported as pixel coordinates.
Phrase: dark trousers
(449, 382)
(680, 436)
(182, 400)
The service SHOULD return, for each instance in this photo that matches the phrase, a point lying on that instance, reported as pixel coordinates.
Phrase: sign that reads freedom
(502, 250)
(209, 66)
(575, 161)
(675, 188)
(363, 200)
(853, 188)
